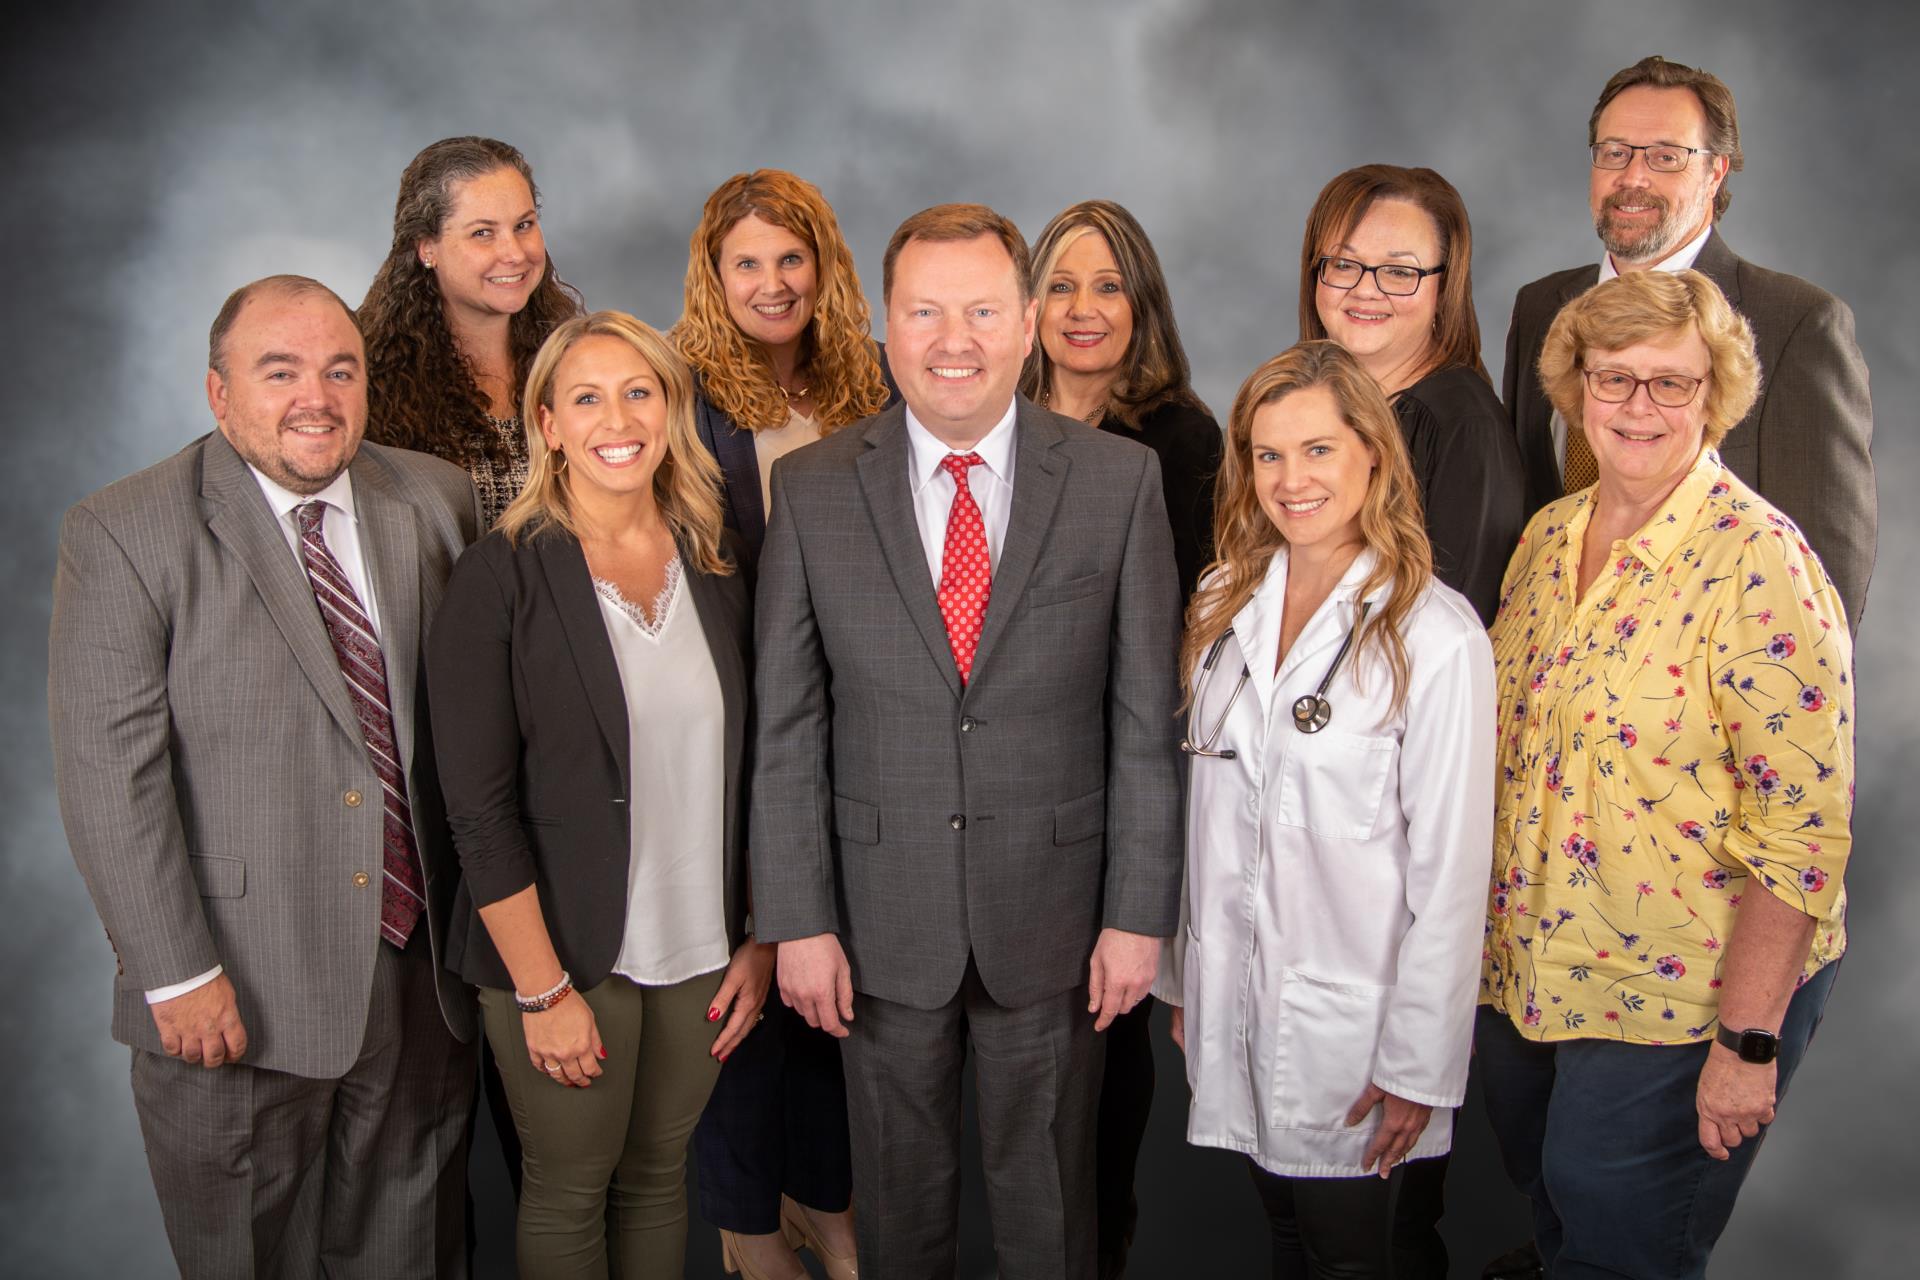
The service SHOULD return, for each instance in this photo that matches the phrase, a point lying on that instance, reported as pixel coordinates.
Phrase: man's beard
(1644, 243)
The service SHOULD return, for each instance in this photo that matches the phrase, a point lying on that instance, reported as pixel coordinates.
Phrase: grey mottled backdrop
(160, 155)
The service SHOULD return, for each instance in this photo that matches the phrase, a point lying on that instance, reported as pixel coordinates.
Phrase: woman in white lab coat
(1340, 831)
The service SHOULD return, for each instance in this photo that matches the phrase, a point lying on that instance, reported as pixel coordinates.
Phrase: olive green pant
(610, 1158)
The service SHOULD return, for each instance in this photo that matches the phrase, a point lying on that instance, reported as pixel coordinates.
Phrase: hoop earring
(561, 465)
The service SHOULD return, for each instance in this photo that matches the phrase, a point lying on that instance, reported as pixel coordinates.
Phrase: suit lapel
(565, 567)
(1721, 265)
(240, 519)
(1038, 477)
(883, 478)
(390, 546)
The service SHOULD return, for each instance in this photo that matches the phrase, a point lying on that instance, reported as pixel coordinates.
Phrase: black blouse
(1471, 485)
(1188, 443)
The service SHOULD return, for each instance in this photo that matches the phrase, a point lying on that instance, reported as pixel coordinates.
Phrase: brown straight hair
(1345, 201)
(944, 223)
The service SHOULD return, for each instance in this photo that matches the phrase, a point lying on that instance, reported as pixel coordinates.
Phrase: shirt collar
(1680, 259)
(338, 493)
(995, 448)
(1653, 542)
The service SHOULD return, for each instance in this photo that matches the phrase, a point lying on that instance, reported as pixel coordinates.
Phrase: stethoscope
(1311, 711)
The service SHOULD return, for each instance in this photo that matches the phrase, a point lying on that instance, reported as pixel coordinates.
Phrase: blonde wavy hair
(687, 482)
(838, 353)
(1245, 540)
(1642, 305)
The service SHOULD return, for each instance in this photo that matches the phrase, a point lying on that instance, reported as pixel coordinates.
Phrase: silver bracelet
(546, 999)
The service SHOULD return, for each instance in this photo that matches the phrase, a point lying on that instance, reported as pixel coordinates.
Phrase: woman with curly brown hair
(458, 309)
(776, 329)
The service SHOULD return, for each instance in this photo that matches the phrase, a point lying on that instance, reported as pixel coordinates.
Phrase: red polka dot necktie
(966, 575)
(403, 893)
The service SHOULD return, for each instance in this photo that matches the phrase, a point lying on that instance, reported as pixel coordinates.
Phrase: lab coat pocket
(1332, 783)
(1323, 1058)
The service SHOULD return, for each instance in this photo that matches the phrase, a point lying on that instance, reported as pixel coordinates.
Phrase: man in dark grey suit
(1664, 139)
(965, 814)
(244, 774)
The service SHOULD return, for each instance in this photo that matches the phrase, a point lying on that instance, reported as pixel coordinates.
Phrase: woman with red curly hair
(776, 329)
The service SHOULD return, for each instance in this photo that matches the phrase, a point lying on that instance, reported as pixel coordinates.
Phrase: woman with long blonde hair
(589, 669)
(776, 329)
(1339, 724)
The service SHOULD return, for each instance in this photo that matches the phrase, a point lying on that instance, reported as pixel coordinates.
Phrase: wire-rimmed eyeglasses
(1662, 157)
(1396, 279)
(1616, 386)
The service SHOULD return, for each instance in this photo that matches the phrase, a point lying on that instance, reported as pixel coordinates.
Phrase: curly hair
(1154, 369)
(1650, 305)
(1390, 519)
(686, 485)
(421, 392)
(838, 351)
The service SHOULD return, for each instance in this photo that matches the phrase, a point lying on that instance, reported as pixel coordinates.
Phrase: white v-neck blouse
(676, 881)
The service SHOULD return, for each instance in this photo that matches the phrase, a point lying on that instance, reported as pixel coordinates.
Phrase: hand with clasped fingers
(203, 1026)
(744, 991)
(1120, 974)
(564, 1041)
(816, 982)
(1735, 1099)
(1401, 1124)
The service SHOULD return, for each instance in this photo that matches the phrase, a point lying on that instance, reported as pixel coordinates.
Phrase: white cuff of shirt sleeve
(158, 994)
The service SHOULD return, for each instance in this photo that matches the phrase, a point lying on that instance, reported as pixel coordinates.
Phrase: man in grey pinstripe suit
(965, 824)
(302, 1084)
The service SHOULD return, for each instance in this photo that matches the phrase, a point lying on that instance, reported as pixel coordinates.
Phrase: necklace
(797, 393)
(1091, 417)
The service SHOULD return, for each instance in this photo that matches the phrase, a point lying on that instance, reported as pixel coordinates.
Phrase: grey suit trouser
(1037, 1071)
(262, 1173)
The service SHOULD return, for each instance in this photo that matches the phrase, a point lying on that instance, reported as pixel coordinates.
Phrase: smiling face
(489, 254)
(1311, 471)
(1086, 322)
(957, 332)
(771, 282)
(609, 419)
(293, 399)
(1642, 216)
(1391, 335)
(1639, 443)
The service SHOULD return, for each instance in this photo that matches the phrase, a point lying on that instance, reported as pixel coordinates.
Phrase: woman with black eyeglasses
(1386, 270)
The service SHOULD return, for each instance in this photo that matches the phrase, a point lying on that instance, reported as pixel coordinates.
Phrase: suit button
(967, 723)
(360, 879)
(352, 798)
(958, 822)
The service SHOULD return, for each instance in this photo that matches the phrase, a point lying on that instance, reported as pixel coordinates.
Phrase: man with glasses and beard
(1664, 138)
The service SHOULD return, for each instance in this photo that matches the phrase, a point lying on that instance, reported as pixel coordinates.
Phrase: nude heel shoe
(735, 1261)
(798, 1229)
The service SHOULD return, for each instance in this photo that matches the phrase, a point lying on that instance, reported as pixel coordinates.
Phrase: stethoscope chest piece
(1311, 712)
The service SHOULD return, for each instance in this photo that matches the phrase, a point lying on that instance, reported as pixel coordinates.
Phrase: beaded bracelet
(548, 998)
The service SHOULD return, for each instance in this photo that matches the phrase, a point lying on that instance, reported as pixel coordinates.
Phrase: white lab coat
(1336, 882)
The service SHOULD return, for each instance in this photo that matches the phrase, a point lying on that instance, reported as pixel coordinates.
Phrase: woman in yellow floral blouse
(1675, 796)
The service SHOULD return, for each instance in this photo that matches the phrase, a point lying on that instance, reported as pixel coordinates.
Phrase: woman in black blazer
(777, 331)
(589, 672)
(1108, 352)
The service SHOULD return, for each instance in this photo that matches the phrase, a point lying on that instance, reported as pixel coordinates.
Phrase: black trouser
(1419, 1252)
(1329, 1228)
(1126, 1097)
(777, 1122)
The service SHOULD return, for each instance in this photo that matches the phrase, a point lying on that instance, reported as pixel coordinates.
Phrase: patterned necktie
(357, 649)
(966, 575)
(1579, 470)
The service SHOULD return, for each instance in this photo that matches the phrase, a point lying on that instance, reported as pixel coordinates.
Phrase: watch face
(1758, 1047)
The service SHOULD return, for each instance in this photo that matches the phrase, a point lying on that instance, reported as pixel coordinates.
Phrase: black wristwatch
(1753, 1045)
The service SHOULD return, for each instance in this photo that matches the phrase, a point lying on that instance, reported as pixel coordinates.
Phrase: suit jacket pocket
(856, 820)
(1080, 819)
(1042, 594)
(218, 877)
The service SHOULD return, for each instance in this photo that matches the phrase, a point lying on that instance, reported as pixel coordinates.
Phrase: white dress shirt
(340, 526)
(990, 483)
(1680, 259)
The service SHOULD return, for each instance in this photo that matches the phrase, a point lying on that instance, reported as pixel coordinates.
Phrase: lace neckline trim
(650, 621)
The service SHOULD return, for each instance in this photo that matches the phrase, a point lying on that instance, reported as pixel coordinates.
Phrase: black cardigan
(1188, 443)
(1471, 484)
(530, 723)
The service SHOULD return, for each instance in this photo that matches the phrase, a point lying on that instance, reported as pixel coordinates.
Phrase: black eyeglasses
(1391, 278)
(1662, 157)
(1669, 390)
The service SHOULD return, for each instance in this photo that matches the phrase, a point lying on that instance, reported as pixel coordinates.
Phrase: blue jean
(1603, 1138)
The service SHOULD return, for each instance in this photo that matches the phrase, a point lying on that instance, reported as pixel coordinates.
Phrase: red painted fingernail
(723, 1057)
(713, 1015)
(602, 1051)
